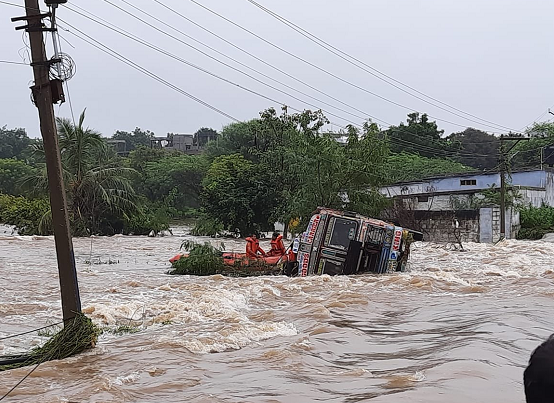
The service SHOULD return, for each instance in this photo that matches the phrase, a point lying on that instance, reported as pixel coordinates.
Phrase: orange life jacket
(253, 247)
(277, 246)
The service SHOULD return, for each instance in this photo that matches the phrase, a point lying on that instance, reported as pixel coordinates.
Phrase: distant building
(119, 146)
(437, 203)
(181, 142)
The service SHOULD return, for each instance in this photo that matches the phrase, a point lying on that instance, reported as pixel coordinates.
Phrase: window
(423, 199)
(468, 182)
(343, 231)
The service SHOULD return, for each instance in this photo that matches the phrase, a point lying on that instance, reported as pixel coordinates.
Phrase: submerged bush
(29, 216)
(77, 336)
(206, 226)
(202, 260)
(536, 222)
(145, 221)
(206, 260)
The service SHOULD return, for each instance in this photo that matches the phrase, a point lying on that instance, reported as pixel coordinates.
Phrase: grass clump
(78, 335)
(123, 329)
(206, 260)
(203, 260)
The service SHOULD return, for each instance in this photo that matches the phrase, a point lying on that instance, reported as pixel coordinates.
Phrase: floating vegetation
(207, 260)
(202, 260)
(101, 262)
(77, 336)
(122, 329)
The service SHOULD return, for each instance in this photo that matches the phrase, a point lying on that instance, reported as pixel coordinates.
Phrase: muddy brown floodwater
(457, 327)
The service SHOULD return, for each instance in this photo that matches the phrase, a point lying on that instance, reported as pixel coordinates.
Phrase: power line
(11, 4)
(10, 62)
(30, 331)
(239, 62)
(537, 118)
(20, 382)
(422, 147)
(318, 67)
(143, 70)
(330, 48)
(425, 148)
(97, 44)
(158, 49)
(260, 60)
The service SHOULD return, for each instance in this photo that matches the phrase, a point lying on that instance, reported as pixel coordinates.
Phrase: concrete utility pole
(45, 93)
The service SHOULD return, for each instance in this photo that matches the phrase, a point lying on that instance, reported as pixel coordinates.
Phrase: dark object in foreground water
(538, 378)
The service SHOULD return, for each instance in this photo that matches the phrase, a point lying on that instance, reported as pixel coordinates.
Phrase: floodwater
(458, 327)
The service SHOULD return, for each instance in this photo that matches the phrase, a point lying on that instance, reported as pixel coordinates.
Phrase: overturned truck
(337, 242)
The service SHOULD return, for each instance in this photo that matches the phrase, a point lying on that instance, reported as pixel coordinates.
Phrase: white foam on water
(240, 336)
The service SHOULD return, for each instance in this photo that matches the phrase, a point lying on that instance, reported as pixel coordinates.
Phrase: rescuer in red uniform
(277, 245)
(253, 247)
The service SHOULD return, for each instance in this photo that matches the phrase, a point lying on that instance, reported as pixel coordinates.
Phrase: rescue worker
(277, 245)
(253, 247)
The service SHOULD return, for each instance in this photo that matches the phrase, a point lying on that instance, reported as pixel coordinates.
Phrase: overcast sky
(490, 58)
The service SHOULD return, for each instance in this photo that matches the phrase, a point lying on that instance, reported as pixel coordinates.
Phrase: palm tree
(99, 191)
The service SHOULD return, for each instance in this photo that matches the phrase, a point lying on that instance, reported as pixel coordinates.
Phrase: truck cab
(338, 242)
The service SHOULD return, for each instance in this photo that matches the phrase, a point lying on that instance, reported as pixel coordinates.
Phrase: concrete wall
(489, 224)
(440, 226)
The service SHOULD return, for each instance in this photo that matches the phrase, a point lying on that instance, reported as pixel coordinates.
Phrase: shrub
(146, 221)
(203, 260)
(536, 221)
(29, 216)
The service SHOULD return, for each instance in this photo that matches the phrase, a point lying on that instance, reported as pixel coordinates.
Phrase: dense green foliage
(419, 136)
(14, 143)
(12, 174)
(135, 138)
(99, 192)
(100, 195)
(408, 167)
(29, 216)
(278, 167)
(476, 149)
(281, 167)
(535, 222)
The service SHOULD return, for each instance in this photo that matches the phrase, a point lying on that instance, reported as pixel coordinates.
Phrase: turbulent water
(457, 327)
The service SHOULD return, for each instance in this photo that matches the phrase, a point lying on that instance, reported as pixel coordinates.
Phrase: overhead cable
(375, 72)
(322, 69)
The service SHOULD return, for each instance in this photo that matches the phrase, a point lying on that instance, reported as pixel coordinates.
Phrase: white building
(438, 202)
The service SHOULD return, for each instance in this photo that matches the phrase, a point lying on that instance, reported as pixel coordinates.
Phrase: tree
(236, 196)
(134, 139)
(235, 138)
(14, 143)
(204, 135)
(476, 148)
(410, 167)
(527, 154)
(297, 168)
(12, 172)
(419, 136)
(100, 195)
(140, 157)
(176, 179)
